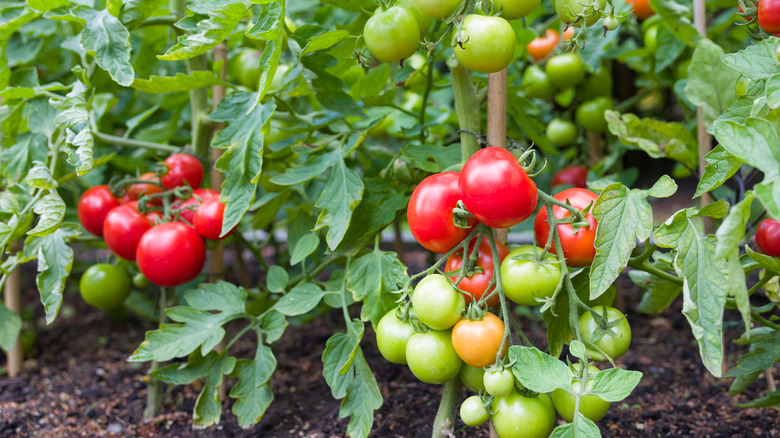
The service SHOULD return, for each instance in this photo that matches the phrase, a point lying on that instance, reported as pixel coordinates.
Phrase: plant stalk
(154, 389)
(13, 301)
(444, 423)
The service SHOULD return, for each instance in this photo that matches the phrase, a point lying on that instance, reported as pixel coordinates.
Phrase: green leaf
(755, 142)
(765, 192)
(243, 141)
(46, 5)
(371, 278)
(196, 367)
(40, 177)
(15, 161)
(135, 12)
(379, 208)
(273, 324)
(432, 159)
(55, 260)
(583, 428)
(73, 119)
(40, 117)
(762, 356)
(738, 288)
(277, 279)
(677, 17)
(615, 384)
(338, 358)
(252, 393)
(537, 370)
(208, 406)
(180, 82)
(756, 61)
(105, 38)
(342, 193)
(221, 296)
(704, 288)
(301, 299)
(721, 165)
(660, 293)
(658, 139)
(362, 399)
(51, 209)
(221, 22)
(324, 41)
(769, 400)
(10, 327)
(624, 216)
(304, 247)
(710, 82)
(732, 229)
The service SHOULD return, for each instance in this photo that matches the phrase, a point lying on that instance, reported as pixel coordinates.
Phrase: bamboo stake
(13, 301)
(595, 152)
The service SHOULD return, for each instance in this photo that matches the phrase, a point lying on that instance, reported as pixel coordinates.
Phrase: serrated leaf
(55, 260)
(180, 82)
(362, 399)
(379, 208)
(311, 168)
(135, 12)
(221, 296)
(721, 165)
(660, 293)
(338, 358)
(185, 373)
(756, 61)
(105, 38)
(324, 41)
(732, 229)
(537, 370)
(371, 278)
(277, 279)
(51, 209)
(221, 22)
(659, 139)
(710, 82)
(615, 384)
(252, 393)
(583, 428)
(73, 119)
(40, 177)
(208, 406)
(342, 193)
(304, 247)
(301, 299)
(769, 400)
(755, 142)
(762, 356)
(15, 161)
(10, 327)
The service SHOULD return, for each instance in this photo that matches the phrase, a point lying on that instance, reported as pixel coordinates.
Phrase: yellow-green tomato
(473, 412)
(423, 21)
(591, 114)
(514, 9)
(437, 303)
(245, 67)
(536, 83)
(392, 335)
(526, 282)
(392, 35)
(437, 9)
(472, 377)
(592, 406)
(488, 43)
(432, 358)
(518, 416)
(499, 383)
(565, 70)
(561, 132)
(615, 341)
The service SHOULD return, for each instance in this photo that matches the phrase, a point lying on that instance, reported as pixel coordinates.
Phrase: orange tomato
(137, 190)
(541, 47)
(642, 8)
(477, 342)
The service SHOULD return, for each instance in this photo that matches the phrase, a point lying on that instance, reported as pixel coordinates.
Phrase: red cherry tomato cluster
(167, 245)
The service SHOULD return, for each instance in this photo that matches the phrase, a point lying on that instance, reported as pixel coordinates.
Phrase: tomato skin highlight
(171, 254)
(105, 286)
(614, 346)
(183, 169)
(436, 303)
(768, 237)
(496, 190)
(432, 358)
(477, 342)
(578, 248)
(392, 35)
(93, 207)
(489, 43)
(576, 175)
(209, 217)
(519, 416)
(542, 46)
(392, 335)
(123, 228)
(430, 213)
(477, 284)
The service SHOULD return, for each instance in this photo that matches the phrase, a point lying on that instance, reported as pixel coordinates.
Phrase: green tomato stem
(444, 423)
(154, 390)
(112, 139)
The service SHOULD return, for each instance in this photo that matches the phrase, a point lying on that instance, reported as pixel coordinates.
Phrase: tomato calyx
(461, 216)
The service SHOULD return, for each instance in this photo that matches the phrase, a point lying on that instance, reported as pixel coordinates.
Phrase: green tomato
(568, 10)
(488, 43)
(245, 67)
(140, 281)
(565, 97)
(611, 22)
(596, 85)
(437, 303)
(681, 69)
(392, 35)
(591, 114)
(515, 9)
(615, 341)
(536, 83)
(473, 378)
(565, 70)
(432, 358)
(437, 9)
(651, 39)
(741, 86)
(423, 22)
(499, 383)
(105, 286)
(524, 281)
(527, 417)
(473, 412)
(561, 132)
(592, 406)
(392, 335)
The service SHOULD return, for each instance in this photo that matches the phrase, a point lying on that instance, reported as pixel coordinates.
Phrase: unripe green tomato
(437, 303)
(515, 9)
(105, 286)
(473, 412)
(423, 22)
(654, 101)
(591, 114)
(561, 132)
(565, 70)
(488, 43)
(741, 86)
(681, 69)
(611, 22)
(536, 83)
(568, 10)
(432, 358)
(565, 97)
(392, 335)
(245, 67)
(524, 282)
(615, 341)
(392, 35)
(473, 378)
(651, 39)
(596, 85)
(592, 406)
(519, 416)
(437, 9)
(140, 281)
(499, 383)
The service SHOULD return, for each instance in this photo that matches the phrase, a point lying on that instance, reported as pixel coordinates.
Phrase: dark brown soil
(79, 384)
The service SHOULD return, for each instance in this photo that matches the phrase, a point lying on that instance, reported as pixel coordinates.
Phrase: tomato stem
(445, 416)
(154, 389)
(121, 141)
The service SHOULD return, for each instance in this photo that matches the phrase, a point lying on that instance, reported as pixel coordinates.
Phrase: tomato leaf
(342, 193)
(756, 61)
(710, 81)
(537, 370)
(304, 247)
(378, 209)
(252, 392)
(105, 38)
(51, 209)
(615, 384)
(371, 278)
(705, 285)
(135, 12)
(362, 399)
(659, 293)
(274, 324)
(73, 120)
(221, 21)
(55, 260)
(338, 357)
(180, 82)
(196, 367)
(40, 177)
(16, 160)
(732, 230)
(221, 296)
(658, 139)
(277, 279)
(301, 299)
(208, 406)
(721, 165)
(676, 16)
(762, 356)
(770, 399)
(755, 142)
(582, 428)
(10, 327)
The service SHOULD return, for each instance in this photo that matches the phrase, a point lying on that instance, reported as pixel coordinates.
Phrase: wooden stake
(705, 141)
(13, 301)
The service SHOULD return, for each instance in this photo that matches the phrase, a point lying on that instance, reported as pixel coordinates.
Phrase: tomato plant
(437, 8)
(527, 281)
(577, 242)
(476, 283)
(432, 358)
(572, 11)
(592, 406)
(614, 341)
(769, 15)
(485, 44)
(591, 114)
(576, 175)
(642, 9)
(93, 207)
(542, 46)
(515, 9)
(183, 169)
(171, 254)
(392, 35)
(104, 286)
(536, 83)
(561, 132)
(499, 383)
(565, 70)
(209, 217)
(478, 342)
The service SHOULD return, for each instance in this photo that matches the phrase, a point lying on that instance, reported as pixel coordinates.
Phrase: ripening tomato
(183, 169)
(186, 209)
(123, 228)
(137, 190)
(576, 175)
(642, 8)
(768, 237)
(430, 213)
(93, 207)
(437, 9)
(614, 341)
(568, 33)
(515, 9)
(171, 254)
(392, 335)
(578, 247)
(477, 342)
(209, 217)
(432, 358)
(392, 35)
(540, 47)
(436, 303)
(476, 285)
(488, 43)
(496, 189)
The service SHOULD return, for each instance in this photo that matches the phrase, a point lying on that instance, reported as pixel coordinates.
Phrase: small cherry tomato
(186, 209)
(431, 357)
(171, 254)
(392, 35)
(768, 237)
(576, 175)
(437, 303)
(515, 9)
(472, 377)
(123, 228)
(104, 286)
(615, 341)
(499, 383)
(183, 169)
(592, 406)
(642, 8)
(93, 207)
(437, 9)
(565, 70)
(137, 190)
(473, 412)
(536, 83)
(488, 44)
(519, 416)
(209, 217)
(561, 132)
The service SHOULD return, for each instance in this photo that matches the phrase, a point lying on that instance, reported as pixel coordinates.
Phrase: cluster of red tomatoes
(167, 240)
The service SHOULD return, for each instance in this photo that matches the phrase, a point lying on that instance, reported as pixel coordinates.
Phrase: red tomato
(93, 207)
(768, 237)
(576, 176)
(183, 169)
(171, 254)
(540, 47)
(208, 219)
(477, 342)
(495, 189)
(642, 8)
(578, 248)
(477, 283)
(135, 191)
(123, 228)
(430, 213)
(189, 213)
